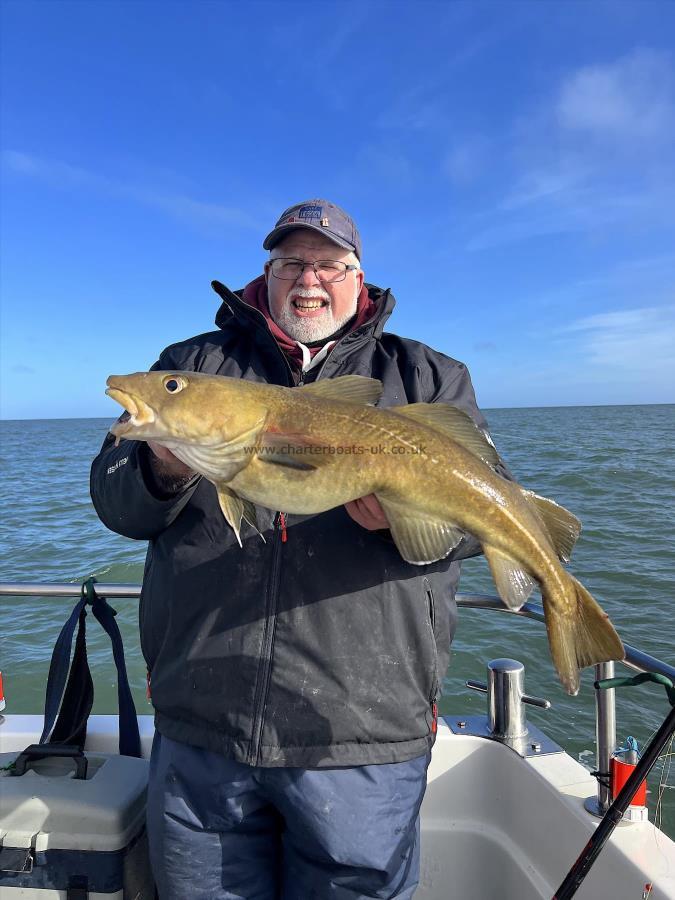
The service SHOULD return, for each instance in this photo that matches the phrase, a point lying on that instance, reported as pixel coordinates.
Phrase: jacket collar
(233, 308)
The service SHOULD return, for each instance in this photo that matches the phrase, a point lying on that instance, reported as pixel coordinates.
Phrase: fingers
(170, 464)
(161, 452)
(371, 505)
(368, 513)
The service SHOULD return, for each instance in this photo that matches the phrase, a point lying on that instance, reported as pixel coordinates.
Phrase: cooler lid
(49, 809)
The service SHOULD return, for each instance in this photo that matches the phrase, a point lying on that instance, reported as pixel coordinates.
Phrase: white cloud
(639, 339)
(197, 213)
(428, 104)
(594, 159)
(630, 99)
(58, 173)
(608, 286)
(541, 185)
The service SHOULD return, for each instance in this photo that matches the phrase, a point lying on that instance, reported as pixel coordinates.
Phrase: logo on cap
(309, 212)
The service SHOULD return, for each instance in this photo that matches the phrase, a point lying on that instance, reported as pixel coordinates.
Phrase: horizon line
(482, 408)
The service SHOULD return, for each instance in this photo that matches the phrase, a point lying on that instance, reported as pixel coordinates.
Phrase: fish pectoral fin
(419, 538)
(562, 526)
(346, 388)
(514, 585)
(454, 423)
(221, 461)
(235, 508)
(249, 515)
(293, 451)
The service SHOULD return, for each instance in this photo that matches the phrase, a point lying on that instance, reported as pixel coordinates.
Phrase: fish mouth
(138, 412)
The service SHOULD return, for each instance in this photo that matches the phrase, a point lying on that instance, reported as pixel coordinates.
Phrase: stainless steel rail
(635, 659)
(605, 721)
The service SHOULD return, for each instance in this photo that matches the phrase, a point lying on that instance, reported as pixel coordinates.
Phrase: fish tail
(580, 638)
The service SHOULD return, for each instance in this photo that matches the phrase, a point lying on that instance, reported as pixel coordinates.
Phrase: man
(294, 680)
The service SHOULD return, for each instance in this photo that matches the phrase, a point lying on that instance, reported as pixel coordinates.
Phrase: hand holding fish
(368, 513)
(168, 473)
(170, 464)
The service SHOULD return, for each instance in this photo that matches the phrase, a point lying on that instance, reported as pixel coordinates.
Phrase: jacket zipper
(265, 671)
(265, 674)
(432, 623)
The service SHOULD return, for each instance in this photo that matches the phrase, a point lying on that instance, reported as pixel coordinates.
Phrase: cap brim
(281, 231)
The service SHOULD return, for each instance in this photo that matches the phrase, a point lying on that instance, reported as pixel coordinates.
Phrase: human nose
(308, 276)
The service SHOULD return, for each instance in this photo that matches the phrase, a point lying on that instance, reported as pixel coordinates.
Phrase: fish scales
(308, 449)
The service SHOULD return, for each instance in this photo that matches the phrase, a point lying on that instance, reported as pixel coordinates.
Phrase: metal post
(605, 733)
(506, 714)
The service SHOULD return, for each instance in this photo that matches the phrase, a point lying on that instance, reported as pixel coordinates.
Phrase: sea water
(613, 466)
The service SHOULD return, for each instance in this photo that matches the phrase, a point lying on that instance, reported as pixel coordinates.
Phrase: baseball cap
(319, 215)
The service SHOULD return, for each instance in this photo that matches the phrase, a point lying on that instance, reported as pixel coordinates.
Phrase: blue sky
(510, 166)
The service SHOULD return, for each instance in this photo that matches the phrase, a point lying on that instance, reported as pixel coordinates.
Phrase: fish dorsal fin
(514, 585)
(562, 526)
(346, 388)
(235, 508)
(455, 423)
(420, 539)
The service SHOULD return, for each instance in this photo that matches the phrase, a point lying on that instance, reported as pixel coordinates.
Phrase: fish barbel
(308, 449)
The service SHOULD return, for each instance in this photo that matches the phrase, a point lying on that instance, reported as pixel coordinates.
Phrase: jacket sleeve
(453, 385)
(123, 490)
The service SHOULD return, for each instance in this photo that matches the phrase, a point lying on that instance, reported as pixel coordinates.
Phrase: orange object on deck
(619, 773)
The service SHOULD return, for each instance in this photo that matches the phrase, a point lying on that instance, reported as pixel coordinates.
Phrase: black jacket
(321, 650)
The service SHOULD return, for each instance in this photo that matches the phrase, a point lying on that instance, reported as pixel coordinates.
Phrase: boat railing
(605, 713)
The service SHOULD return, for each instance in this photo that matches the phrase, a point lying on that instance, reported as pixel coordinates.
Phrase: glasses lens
(327, 270)
(330, 270)
(287, 269)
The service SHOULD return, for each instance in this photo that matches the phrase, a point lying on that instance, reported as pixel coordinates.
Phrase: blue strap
(129, 738)
(58, 669)
(130, 741)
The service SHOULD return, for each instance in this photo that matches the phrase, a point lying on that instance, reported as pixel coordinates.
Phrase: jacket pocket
(431, 625)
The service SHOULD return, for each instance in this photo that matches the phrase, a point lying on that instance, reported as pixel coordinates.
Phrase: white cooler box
(64, 837)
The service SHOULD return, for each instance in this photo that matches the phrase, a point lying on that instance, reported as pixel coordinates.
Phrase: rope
(607, 683)
(627, 681)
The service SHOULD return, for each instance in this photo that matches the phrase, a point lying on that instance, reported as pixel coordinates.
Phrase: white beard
(311, 329)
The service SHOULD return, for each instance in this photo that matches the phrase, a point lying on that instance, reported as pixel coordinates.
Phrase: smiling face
(307, 309)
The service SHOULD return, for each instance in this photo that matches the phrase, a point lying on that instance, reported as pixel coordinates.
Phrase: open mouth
(306, 307)
(138, 412)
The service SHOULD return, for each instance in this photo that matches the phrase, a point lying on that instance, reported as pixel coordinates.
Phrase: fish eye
(174, 383)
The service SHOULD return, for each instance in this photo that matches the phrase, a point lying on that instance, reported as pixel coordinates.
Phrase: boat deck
(494, 824)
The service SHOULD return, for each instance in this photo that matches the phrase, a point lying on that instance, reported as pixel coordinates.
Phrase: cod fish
(308, 449)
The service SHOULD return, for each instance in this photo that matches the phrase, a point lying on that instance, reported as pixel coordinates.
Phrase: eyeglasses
(326, 270)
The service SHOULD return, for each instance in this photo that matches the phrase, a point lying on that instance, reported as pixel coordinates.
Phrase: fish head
(183, 407)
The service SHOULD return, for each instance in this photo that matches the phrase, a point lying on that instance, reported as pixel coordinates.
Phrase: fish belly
(301, 492)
